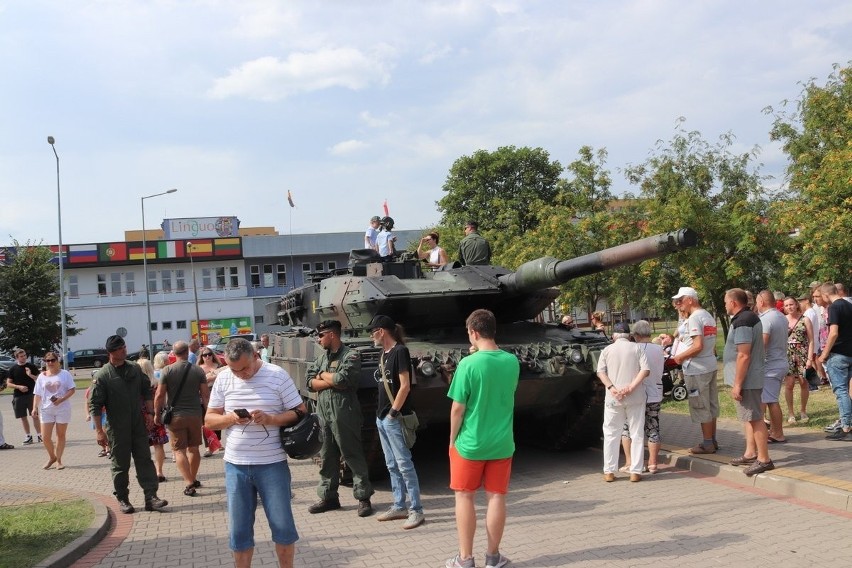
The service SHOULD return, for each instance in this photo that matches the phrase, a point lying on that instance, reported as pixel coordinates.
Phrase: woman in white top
(54, 386)
(435, 257)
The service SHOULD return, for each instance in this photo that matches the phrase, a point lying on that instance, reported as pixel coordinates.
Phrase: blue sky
(349, 103)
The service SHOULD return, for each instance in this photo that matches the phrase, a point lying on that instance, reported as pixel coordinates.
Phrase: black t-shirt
(840, 314)
(19, 376)
(396, 360)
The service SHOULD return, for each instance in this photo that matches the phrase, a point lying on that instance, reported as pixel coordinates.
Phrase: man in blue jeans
(255, 462)
(836, 357)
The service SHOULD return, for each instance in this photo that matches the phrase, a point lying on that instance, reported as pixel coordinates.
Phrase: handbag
(168, 411)
(409, 422)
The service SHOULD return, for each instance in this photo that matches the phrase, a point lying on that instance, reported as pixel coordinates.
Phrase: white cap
(685, 291)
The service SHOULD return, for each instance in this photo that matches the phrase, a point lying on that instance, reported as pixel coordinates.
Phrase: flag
(170, 249)
(387, 213)
(290, 199)
(226, 247)
(137, 252)
(83, 253)
(112, 252)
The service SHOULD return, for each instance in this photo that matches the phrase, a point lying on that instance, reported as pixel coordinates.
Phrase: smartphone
(54, 398)
(242, 413)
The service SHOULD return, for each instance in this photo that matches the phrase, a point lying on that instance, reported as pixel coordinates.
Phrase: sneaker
(155, 503)
(28, 440)
(414, 520)
(791, 419)
(392, 514)
(833, 427)
(40, 441)
(324, 505)
(102, 453)
(497, 561)
(125, 506)
(208, 453)
(457, 562)
(759, 467)
(365, 508)
(840, 435)
(742, 460)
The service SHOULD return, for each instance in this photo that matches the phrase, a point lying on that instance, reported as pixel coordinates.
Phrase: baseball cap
(383, 322)
(114, 343)
(685, 291)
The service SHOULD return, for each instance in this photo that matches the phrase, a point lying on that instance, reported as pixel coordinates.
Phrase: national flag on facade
(226, 247)
(137, 252)
(112, 252)
(78, 254)
(170, 249)
(290, 199)
(201, 248)
(385, 206)
(55, 249)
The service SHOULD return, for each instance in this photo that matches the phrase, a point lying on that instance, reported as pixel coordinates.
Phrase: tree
(718, 194)
(499, 189)
(29, 302)
(817, 137)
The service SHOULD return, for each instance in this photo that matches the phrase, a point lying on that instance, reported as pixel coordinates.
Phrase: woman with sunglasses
(54, 386)
(208, 361)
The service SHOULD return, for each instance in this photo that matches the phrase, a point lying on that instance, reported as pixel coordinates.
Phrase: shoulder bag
(168, 411)
(409, 422)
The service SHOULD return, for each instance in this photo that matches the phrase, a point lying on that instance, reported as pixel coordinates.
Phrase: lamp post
(194, 291)
(145, 267)
(62, 323)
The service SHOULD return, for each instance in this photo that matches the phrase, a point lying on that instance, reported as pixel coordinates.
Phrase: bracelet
(610, 387)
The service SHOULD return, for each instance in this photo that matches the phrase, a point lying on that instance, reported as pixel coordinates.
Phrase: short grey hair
(621, 336)
(642, 328)
(237, 348)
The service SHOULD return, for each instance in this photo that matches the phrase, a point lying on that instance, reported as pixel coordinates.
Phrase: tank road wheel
(679, 393)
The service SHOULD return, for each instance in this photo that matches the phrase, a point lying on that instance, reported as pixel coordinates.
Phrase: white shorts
(56, 414)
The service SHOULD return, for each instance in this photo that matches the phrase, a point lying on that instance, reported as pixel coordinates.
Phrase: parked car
(90, 358)
(157, 348)
(219, 347)
(6, 362)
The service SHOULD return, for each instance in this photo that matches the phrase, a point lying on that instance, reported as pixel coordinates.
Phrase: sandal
(189, 491)
(652, 468)
(624, 469)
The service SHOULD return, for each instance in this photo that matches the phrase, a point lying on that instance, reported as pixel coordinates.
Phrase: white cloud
(347, 147)
(271, 79)
(373, 121)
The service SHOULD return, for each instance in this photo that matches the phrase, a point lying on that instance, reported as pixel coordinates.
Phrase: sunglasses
(49, 360)
(206, 354)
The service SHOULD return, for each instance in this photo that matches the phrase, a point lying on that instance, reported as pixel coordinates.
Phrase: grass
(31, 533)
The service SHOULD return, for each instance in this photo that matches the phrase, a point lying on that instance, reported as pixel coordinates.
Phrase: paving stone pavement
(696, 512)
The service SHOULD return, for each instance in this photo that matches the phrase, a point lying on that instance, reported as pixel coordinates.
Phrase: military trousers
(127, 443)
(342, 438)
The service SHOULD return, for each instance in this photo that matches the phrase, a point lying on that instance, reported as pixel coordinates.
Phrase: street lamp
(145, 268)
(62, 323)
(194, 291)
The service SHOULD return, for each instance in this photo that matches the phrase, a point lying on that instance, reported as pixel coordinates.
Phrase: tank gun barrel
(547, 271)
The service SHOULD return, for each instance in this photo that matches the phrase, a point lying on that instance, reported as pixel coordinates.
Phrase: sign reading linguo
(201, 227)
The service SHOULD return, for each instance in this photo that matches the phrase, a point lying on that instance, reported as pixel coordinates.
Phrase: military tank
(558, 396)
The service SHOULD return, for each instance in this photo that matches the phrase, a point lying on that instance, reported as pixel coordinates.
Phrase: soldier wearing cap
(121, 388)
(334, 376)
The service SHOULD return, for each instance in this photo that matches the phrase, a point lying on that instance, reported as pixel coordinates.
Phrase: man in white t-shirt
(252, 400)
(698, 360)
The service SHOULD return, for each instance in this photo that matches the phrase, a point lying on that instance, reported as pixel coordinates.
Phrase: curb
(788, 482)
(76, 549)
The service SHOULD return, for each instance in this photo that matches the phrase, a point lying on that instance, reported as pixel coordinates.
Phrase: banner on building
(212, 330)
(201, 227)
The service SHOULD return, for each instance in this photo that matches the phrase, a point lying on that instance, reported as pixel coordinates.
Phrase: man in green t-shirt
(481, 441)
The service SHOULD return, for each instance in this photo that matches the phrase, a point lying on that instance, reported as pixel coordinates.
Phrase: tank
(559, 401)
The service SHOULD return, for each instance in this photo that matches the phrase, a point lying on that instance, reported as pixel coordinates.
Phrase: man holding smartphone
(252, 400)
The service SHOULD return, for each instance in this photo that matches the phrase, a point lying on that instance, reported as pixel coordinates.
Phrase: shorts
(748, 409)
(771, 386)
(22, 405)
(185, 432)
(652, 423)
(470, 475)
(703, 397)
(243, 484)
(56, 414)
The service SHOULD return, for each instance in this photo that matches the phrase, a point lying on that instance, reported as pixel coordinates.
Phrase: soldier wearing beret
(334, 377)
(122, 388)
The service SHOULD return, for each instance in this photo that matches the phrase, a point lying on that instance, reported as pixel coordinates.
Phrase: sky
(347, 104)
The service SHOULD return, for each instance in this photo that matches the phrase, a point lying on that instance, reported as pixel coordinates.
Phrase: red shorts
(470, 475)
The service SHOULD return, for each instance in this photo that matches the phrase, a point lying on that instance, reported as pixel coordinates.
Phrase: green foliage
(817, 137)
(29, 302)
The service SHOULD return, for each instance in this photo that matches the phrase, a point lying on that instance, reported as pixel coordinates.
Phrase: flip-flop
(60, 466)
(49, 463)
(772, 440)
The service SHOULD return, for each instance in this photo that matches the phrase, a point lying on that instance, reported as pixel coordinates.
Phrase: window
(166, 276)
(306, 269)
(254, 270)
(318, 267)
(207, 278)
(153, 326)
(152, 281)
(129, 283)
(73, 287)
(180, 280)
(267, 276)
(167, 325)
(282, 275)
(258, 319)
(180, 324)
(220, 278)
(115, 284)
(102, 285)
(235, 276)
(332, 265)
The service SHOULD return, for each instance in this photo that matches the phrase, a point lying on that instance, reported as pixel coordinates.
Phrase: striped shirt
(271, 390)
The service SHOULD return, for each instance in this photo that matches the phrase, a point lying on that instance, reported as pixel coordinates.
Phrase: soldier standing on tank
(334, 377)
(473, 248)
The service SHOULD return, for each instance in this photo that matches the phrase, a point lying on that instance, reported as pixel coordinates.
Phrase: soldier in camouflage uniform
(334, 377)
